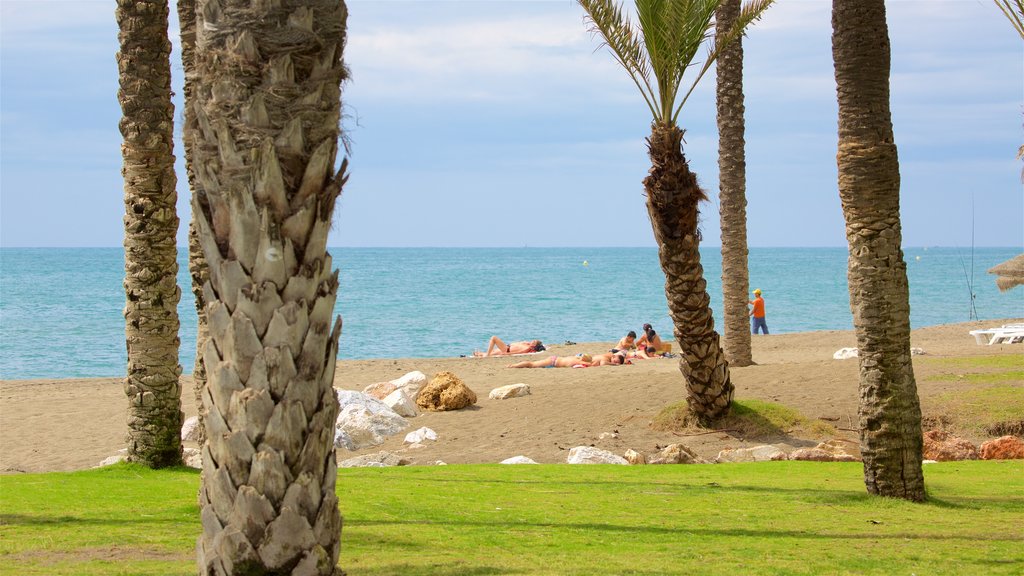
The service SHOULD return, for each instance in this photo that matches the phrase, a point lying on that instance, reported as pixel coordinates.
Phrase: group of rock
(941, 446)
(368, 418)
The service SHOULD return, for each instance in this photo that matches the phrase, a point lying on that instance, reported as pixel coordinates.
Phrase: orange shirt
(758, 307)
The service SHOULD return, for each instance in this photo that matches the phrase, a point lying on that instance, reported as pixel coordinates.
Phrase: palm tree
(150, 225)
(268, 106)
(669, 36)
(732, 184)
(869, 187)
(196, 262)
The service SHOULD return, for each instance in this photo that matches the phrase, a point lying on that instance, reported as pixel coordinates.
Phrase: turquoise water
(61, 309)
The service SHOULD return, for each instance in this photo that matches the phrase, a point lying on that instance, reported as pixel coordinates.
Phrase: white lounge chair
(1005, 334)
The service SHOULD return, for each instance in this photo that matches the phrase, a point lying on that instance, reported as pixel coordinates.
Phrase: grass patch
(980, 410)
(755, 419)
(1000, 361)
(981, 378)
(764, 518)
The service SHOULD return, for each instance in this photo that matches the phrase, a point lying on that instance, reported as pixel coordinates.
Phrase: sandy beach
(72, 424)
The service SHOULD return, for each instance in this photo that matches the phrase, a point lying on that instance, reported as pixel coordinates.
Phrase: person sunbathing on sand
(581, 360)
(609, 359)
(495, 347)
(645, 353)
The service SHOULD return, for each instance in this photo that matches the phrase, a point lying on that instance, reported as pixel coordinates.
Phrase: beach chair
(1005, 334)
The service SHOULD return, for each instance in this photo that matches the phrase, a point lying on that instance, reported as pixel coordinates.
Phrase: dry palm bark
(196, 261)
(869, 185)
(268, 108)
(151, 225)
(732, 197)
(672, 199)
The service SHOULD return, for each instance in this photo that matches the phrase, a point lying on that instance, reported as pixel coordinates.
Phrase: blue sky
(496, 123)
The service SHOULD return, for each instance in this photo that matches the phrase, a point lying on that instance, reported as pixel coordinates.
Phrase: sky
(499, 123)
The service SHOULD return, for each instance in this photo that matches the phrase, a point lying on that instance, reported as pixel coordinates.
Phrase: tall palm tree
(268, 108)
(150, 228)
(196, 262)
(869, 187)
(732, 186)
(656, 56)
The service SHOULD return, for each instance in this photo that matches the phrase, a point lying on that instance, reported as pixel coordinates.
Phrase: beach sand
(72, 424)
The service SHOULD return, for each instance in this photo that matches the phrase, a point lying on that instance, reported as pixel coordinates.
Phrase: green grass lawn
(758, 518)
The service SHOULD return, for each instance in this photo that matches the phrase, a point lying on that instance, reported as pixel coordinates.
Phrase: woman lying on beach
(581, 360)
(495, 347)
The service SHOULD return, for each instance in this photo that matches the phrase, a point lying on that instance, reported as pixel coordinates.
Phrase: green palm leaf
(670, 34)
(1014, 11)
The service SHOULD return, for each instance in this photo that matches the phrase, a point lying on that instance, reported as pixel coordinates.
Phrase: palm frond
(749, 13)
(607, 20)
(1014, 11)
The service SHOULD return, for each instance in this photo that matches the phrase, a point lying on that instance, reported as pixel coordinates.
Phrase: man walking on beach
(757, 314)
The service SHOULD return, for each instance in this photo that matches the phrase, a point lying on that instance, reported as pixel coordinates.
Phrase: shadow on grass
(678, 531)
(406, 569)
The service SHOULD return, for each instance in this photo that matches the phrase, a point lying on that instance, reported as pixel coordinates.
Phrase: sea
(61, 309)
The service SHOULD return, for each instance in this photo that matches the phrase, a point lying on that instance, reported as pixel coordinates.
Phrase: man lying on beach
(495, 347)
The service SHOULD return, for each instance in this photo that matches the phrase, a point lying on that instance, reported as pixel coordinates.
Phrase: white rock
(347, 397)
(190, 429)
(929, 461)
(917, 352)
(676, 454)
(420, 435)
(608, 436)
(342, 439)
(411, 383)
(756, 454)
(634, 457)
(517, 460)
(845, 354)
(510, 391)
(440, 463)
(591, 455)
(400, 402)
(358, 426)
(378, 460)
(121, 455)
(192, 457)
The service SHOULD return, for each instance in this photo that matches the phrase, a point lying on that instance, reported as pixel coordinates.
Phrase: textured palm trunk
(672, 198)
(732, 196)
(196, 261)
(869, 183)
(151, 225)
(268, 111)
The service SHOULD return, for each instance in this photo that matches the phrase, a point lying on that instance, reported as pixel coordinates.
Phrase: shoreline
(70, 424)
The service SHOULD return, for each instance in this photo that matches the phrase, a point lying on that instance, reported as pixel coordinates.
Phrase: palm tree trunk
(672, 198)
(196, 262)
(268, 110)
(732, 197)
(151, 225)
(869, 185)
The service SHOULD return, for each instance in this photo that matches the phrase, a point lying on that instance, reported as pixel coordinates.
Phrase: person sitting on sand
(495, 347)
(628, 342)
(581, 360)
(651, 338)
